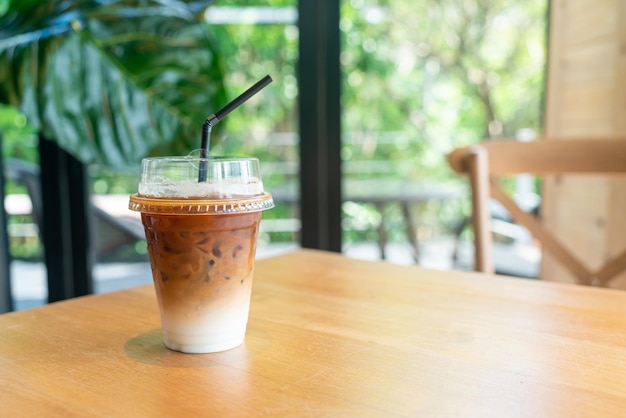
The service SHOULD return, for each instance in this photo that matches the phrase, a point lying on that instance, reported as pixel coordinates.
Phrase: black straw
(221, 114)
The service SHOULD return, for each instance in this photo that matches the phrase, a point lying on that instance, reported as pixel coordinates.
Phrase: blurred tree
(250, 51)
(19, 138)
(440, 73)
(419, 77)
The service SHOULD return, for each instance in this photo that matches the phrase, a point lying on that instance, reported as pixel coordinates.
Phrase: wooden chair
(484, 163)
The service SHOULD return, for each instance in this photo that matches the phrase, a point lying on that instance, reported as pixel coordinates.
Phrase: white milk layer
(218, 326)
(213, 189)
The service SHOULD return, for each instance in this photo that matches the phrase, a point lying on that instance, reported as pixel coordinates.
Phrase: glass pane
(420, 78)
(255, 40)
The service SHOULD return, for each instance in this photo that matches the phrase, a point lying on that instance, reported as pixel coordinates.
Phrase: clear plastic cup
(201, 239)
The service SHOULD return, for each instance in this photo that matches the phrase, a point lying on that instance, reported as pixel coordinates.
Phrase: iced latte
(201, 239)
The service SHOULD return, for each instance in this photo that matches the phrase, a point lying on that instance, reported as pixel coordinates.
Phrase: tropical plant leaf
(112, 81)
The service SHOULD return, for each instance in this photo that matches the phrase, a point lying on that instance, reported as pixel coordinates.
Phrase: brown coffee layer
(197, 259)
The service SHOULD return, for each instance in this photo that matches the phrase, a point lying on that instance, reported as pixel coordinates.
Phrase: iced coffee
(201, 238)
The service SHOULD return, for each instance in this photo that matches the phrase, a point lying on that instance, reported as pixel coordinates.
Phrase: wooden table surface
(332, 336)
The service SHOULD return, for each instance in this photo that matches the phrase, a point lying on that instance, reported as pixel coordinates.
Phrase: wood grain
(331, 336)
(586, 97)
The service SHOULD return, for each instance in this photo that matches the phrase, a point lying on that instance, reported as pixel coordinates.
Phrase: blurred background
(417, 78)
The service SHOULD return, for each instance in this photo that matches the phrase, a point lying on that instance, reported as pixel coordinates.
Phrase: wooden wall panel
(586, 96)
(584, 23)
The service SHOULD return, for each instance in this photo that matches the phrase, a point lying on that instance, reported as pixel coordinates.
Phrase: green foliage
(419, 78)
(266, 126)
(111, 81)
(18, 138)
(251, 51)
(422, 77)
(440, 73)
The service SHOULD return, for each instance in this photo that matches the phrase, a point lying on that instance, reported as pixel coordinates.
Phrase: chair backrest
(488, 160)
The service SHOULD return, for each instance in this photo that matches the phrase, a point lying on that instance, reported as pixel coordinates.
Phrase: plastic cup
(201, 238)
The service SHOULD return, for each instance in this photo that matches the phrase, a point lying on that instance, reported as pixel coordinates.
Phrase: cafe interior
(448, 182)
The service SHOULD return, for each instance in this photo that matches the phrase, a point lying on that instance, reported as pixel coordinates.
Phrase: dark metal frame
(319, 81)
(66, 222)
(6, 300)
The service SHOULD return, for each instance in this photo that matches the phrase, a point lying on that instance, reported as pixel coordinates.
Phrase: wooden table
(331, 336)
